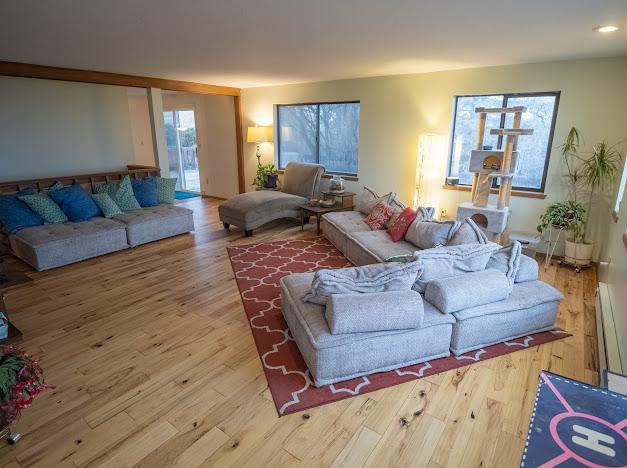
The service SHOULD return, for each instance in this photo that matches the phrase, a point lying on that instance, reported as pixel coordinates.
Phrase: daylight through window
(325, 133)
(533, 150)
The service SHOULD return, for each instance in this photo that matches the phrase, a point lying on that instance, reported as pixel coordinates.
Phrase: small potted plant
(267, 176)
(21, 380)
(586, 174)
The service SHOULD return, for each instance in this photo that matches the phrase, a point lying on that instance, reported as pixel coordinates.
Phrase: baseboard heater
(607, 339)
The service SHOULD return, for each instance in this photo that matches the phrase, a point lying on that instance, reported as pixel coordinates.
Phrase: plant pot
(579, 254)
(271, 180)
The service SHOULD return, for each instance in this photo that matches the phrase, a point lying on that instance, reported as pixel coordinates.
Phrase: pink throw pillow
(400, 226)
(379, 215)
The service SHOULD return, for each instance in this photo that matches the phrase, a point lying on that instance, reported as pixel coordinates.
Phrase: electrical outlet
(443, 214)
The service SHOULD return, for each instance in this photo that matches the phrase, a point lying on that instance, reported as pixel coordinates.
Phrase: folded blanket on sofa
(372, 312)
(514, 264)
(365, 279)
(469, 290)
(443, 262)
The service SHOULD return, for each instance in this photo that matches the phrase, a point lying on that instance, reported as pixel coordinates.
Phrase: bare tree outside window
(533, 151)
(327, 133)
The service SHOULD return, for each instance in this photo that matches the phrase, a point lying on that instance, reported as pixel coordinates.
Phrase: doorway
(181, 139)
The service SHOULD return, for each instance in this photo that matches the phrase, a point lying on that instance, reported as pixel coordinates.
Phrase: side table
(318, 211)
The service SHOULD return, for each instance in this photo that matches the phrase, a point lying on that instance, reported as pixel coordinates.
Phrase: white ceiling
(260, 42)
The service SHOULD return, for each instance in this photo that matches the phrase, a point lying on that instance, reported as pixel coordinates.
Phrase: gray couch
(251, 210)
(529, 306)
(54, 245)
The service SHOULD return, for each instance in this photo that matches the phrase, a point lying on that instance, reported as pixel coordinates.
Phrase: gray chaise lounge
(251, 210)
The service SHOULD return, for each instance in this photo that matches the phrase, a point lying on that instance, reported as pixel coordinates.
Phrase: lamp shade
(260, 135)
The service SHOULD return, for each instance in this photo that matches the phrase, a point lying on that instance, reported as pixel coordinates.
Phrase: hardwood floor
(155, 365)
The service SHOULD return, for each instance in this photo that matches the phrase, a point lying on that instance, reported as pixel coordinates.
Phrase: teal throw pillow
(107, 205)
(165, 189)
(122, 194)
(45, 207)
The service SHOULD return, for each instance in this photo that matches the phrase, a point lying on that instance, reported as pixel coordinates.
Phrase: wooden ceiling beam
(26, 70)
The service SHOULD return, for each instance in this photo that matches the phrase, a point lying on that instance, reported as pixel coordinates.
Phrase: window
(533, 150)
(325, 133)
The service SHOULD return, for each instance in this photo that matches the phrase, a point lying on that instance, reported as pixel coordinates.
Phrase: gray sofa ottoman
(156, 222)
(53, 245)
(334, 358)
(530, 308)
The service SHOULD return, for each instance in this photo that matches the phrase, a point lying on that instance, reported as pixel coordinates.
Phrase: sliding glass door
(180, 134)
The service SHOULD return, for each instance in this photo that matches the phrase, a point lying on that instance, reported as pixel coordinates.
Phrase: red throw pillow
(398, 229)
(379, 215)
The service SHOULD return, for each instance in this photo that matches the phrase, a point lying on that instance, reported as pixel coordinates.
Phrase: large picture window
(324, 133)
(534, 150)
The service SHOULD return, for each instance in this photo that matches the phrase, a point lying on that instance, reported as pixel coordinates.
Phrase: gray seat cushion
(337, 225)
(156, 222)
(253, 209)
(333, 358)
(54, 245)
(530, 308)
(378, 245)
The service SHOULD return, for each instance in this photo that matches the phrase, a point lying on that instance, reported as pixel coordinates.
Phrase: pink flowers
(21, 380)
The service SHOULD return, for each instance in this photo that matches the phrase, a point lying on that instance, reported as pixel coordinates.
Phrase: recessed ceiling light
(606, 29)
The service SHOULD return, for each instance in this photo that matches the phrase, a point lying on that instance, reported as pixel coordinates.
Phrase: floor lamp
(259, 135)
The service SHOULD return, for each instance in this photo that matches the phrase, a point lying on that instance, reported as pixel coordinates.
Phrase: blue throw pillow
(15, 214)
(145, 192)
(75, 202)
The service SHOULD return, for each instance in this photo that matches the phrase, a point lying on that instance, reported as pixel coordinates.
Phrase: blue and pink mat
(574, 425)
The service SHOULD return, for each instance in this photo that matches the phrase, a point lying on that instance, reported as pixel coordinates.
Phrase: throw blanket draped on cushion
(372, 312)
(365, 279)
(444, 262)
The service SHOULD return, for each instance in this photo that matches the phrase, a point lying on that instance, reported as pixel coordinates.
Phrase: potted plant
(267, 176)
(21, 380)
(586, 174)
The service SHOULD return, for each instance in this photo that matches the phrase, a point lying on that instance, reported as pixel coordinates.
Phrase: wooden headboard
(88, 181)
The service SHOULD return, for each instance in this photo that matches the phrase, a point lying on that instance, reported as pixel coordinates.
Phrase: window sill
(515, 193)
(351, 178)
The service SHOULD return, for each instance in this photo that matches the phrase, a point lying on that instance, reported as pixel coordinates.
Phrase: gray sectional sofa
(54, 245)
(526, 306)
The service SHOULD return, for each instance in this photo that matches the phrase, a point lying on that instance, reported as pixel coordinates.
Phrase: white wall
(217, 151)
(395, 110)
(140, 127)
(616, 249)
(50, 128)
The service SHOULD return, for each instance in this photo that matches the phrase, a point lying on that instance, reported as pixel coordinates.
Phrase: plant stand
(578, 266)
(11, 437)
(552, 244)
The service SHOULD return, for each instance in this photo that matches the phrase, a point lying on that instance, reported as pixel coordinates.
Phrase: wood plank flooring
(155, 365)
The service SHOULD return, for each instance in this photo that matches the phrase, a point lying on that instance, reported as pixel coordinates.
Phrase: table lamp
(260, 135)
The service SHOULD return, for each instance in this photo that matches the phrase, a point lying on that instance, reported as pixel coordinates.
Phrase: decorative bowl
(327, 203)
(313, 202)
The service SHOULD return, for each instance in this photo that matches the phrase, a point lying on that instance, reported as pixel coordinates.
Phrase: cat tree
(488, 165)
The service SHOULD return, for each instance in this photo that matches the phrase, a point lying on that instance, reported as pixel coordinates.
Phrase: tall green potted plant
(587, 173)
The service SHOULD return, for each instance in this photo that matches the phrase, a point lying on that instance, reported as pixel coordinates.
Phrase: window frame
(507, 96)
(317, 136)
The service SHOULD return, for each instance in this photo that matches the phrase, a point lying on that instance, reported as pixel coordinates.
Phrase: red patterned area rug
(258, 269)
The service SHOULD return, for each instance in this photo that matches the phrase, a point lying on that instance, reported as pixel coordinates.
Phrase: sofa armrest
(468, 290)
(372, 312)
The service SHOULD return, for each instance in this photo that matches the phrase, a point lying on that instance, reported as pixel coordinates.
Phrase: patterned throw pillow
(399, 227)
(122, 193)
(397, 208)
(107, 205)
(75, 202)
(45, 207)
(379, 215)
(165, 189)
(369, 198)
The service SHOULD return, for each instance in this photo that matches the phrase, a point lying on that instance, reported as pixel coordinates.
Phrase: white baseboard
(609, 355)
